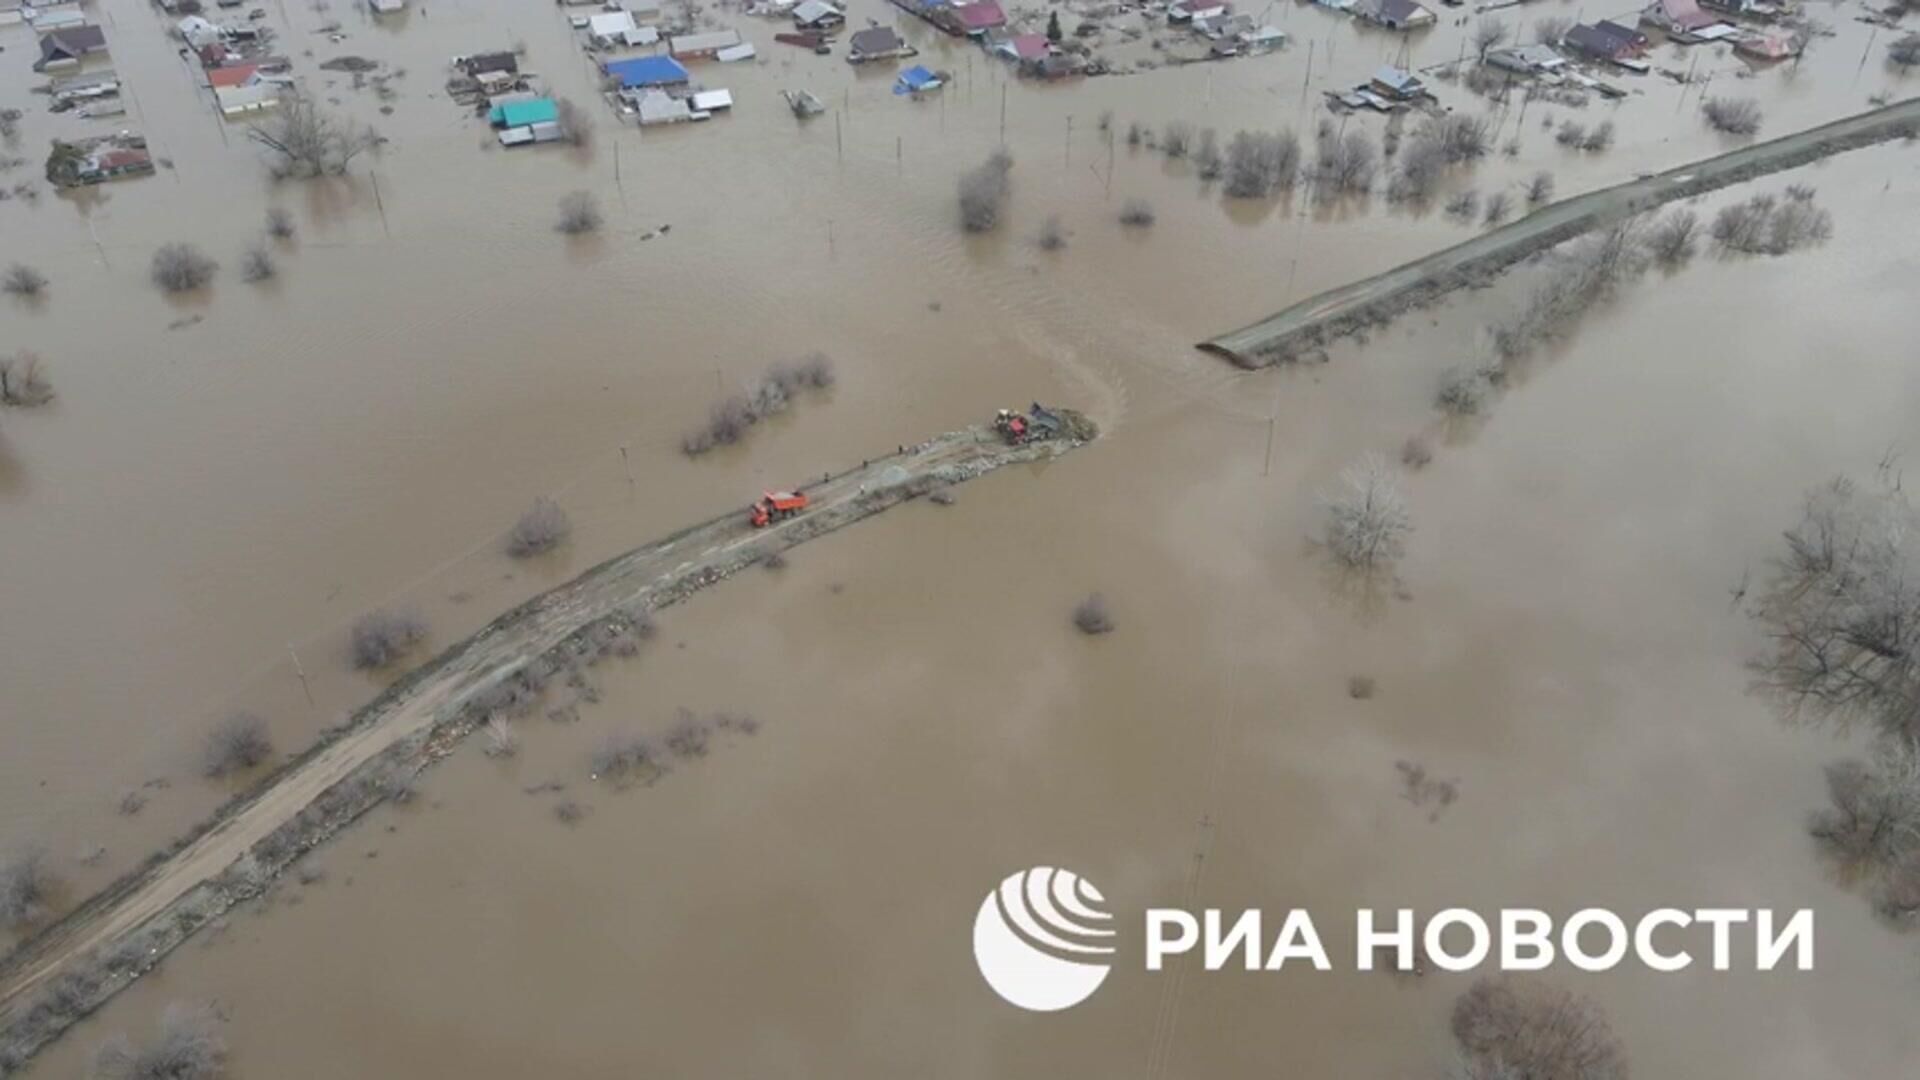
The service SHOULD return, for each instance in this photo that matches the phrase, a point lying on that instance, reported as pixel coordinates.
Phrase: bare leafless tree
(235, 744)
(381, 637)
(23, 280)
(1672, 239)
(303, 141)
(1540, 188)
(1136, 212)
(1208, 161)
(576, 126)
(189, 1047)
(541, 529)
(1053, 235)
(1177, 139)
(1497, 207)
(23, 380)
(1580, 274)
(24, 885)
(1367, 519)
(1505, 1026)
(182, 268)
(1345, 164)
(1734, 116)
(502, 740)
(1904, 51)
(983, 192)
(1260, 163)
(1463, 391)
(579, 213)
(1872, 824)
(1772, 225)
(257, 264)
(1091, 616)
(1842, 610)
(1487, 33)
(730, 418)
(279, 223)
(1549, 29)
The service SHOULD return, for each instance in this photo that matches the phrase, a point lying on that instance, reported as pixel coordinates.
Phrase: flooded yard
(224, 483)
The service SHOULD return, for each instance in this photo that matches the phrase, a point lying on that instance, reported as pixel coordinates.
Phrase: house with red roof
(231, 75)
(979, 17)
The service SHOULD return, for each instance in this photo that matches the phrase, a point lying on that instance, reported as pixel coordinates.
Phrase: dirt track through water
(1355, 305)
(438, 693)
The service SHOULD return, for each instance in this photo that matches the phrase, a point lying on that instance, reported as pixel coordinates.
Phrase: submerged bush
(579, 214)
(541, 529)
(730, 418)
(239, 742)
(1136, 212)
(189, 1047)
(983, 192)
(1734, 116)
(380, 637)
(1092, 616)
(24, 885)
(181, 268)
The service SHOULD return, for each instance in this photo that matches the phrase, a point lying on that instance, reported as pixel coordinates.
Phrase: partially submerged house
(1263, 38)
(247, 98)
(1023, 47)
(489, 63)
(387, 7)
(197, 32)
(876, 43)
(232, 75)
(1682, 16)
(646, 72)
(702, 46)
(609, 29)
(1770, 45)
(524, 121)
(660, 107)
(980, 17)
(1396, 84)
(1604, 40)
(64, 49)
(1393, 14)
(1535, 59)
(95, 161)
(818, 15)
(918, 79)
(1186, 11)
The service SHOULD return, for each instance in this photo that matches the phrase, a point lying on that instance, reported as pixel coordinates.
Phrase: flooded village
(398, 682)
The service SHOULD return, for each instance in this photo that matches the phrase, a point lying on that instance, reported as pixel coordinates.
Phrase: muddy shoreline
(76, 964)
(1376, 300)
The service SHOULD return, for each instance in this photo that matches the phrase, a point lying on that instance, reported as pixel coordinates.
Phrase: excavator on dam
(1038, 422)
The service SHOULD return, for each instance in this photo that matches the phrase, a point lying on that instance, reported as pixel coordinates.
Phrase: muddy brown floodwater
(363, 430)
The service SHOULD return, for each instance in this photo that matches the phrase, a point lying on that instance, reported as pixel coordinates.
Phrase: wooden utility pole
(380, 203)
(301, 673)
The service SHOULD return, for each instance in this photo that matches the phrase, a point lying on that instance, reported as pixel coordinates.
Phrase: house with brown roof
(876, 43)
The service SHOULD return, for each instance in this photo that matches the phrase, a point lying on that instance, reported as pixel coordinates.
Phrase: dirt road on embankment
(1368, 301)
(74, 965)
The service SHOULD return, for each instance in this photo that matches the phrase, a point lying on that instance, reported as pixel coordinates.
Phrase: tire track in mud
(73, 966)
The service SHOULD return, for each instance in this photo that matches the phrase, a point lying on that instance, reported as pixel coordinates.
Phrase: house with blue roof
(646, 71)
